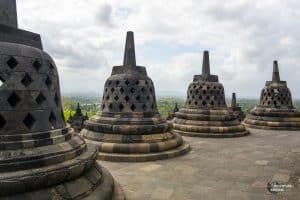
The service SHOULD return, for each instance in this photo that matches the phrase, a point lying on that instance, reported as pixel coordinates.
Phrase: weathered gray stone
(205, 113)
(38, 152)
(129, 127)
(8, 13)
(275, 110)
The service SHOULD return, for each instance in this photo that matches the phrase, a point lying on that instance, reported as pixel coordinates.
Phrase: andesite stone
(40, 157)
(129, 127)
(205, 113)
(275, 110)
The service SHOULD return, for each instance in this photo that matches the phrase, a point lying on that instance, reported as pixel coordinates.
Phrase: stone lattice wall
(276, 97)
(29, 92)
(129, 94)
(205, 95)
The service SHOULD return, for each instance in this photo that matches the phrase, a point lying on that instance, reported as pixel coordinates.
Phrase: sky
(87, 37)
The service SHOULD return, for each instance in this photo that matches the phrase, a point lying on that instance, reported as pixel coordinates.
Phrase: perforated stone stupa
(40, 158)
(275, 110)
(129, 126)
(205, 113)
(236, 109)
(77, 120)
(172, 114)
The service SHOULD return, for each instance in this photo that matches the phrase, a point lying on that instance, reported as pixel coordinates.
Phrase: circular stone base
(91, 185)
(116, 157)
(212, 135)
(279, 128)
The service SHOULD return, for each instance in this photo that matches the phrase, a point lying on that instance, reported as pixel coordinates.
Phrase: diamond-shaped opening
(48, 82)
(2, 121)
(138, 98)
(132, 90)
(51, 65)
(116, 98)
(2, 80)
(40, 98)
(12, 62)
(27, 80)
(127, 98)
(37, 65)
(29, 121)
(107, 97)
(122, 90)
(13, 99)
(144, 107)
(148, 98)
(133, 107)
(121, 107)
(103, 106)
(143, 90)
(112, 89)
(137, 82)
(152, 106)
(127, 82)
(110, 106)
(56, 99)
(117, 82)
(52, 119)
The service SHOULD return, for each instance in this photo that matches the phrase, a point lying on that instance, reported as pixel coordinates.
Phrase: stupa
(236, 109)
(40, 158)
(77, 120)
(172, 114)
(205, 113)
(275, 110)
(129, 126)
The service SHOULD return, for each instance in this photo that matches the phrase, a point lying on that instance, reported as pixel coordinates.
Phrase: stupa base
(96, 183)
(117, 157)
(149, 148)
(212, 135)
(265, 127)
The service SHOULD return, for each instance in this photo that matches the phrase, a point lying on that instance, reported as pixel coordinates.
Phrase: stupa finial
(276, 76)
(206, 65)
(129, 55)
(233, 100)
(8, 13)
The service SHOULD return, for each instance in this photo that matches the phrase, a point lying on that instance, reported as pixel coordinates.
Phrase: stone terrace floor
(235, 168)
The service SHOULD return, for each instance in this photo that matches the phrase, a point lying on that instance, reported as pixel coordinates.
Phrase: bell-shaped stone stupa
(77, 120)
(275, 110)
(236, 109)
(40, 158)
(205, 113)
(129, 126)
(172, 114)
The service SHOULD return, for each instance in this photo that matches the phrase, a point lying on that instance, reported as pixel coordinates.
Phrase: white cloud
(86, 39)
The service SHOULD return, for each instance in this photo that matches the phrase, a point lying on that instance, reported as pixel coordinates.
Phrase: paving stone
(211, 175)
(161, 193)
(261, 162)
(150, 167)
(281, 178)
